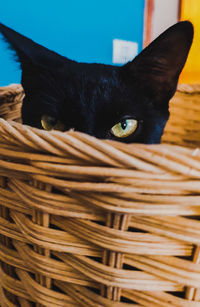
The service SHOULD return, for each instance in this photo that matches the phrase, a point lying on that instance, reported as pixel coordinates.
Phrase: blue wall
(82, 30)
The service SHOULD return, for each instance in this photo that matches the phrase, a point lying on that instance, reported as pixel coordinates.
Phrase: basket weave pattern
(86, 222)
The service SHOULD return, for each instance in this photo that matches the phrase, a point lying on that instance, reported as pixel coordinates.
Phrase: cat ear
(29, 52)
(158, 66)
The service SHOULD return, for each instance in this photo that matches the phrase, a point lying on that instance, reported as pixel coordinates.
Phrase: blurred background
(101, 31)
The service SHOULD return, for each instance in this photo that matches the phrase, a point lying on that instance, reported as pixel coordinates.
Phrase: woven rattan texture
(86, 222)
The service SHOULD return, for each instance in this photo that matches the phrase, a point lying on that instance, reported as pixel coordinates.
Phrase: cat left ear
(158, 66)
(28, 52)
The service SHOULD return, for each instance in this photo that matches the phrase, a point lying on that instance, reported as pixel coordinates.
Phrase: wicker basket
(85, 222)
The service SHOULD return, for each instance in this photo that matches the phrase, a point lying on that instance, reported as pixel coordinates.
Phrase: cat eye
(50, 123)
(124, 128)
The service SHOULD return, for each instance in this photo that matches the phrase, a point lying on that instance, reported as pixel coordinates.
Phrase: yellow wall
(190, 10)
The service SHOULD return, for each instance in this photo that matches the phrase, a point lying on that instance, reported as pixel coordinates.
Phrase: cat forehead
(92, 81)
(89, 71)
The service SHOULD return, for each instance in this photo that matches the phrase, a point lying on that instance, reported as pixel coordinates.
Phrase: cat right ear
(28, 51)
(156, 69)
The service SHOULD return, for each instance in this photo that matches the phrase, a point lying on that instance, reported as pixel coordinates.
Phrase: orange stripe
(149, 9)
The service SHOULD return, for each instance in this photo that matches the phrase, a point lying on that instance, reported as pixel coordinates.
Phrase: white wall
(165, 14)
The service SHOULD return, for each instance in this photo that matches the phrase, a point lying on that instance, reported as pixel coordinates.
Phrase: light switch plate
(124, 51)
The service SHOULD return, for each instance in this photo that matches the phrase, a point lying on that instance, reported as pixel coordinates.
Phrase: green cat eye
(50, 123)
(124, 128)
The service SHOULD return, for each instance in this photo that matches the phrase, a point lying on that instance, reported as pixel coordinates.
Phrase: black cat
(128, 103)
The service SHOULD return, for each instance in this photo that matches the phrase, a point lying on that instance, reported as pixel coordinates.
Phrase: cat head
(128, 103)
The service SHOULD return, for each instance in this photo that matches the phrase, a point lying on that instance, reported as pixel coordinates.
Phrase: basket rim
(89, 149)
(19, 128)
(188, 88)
